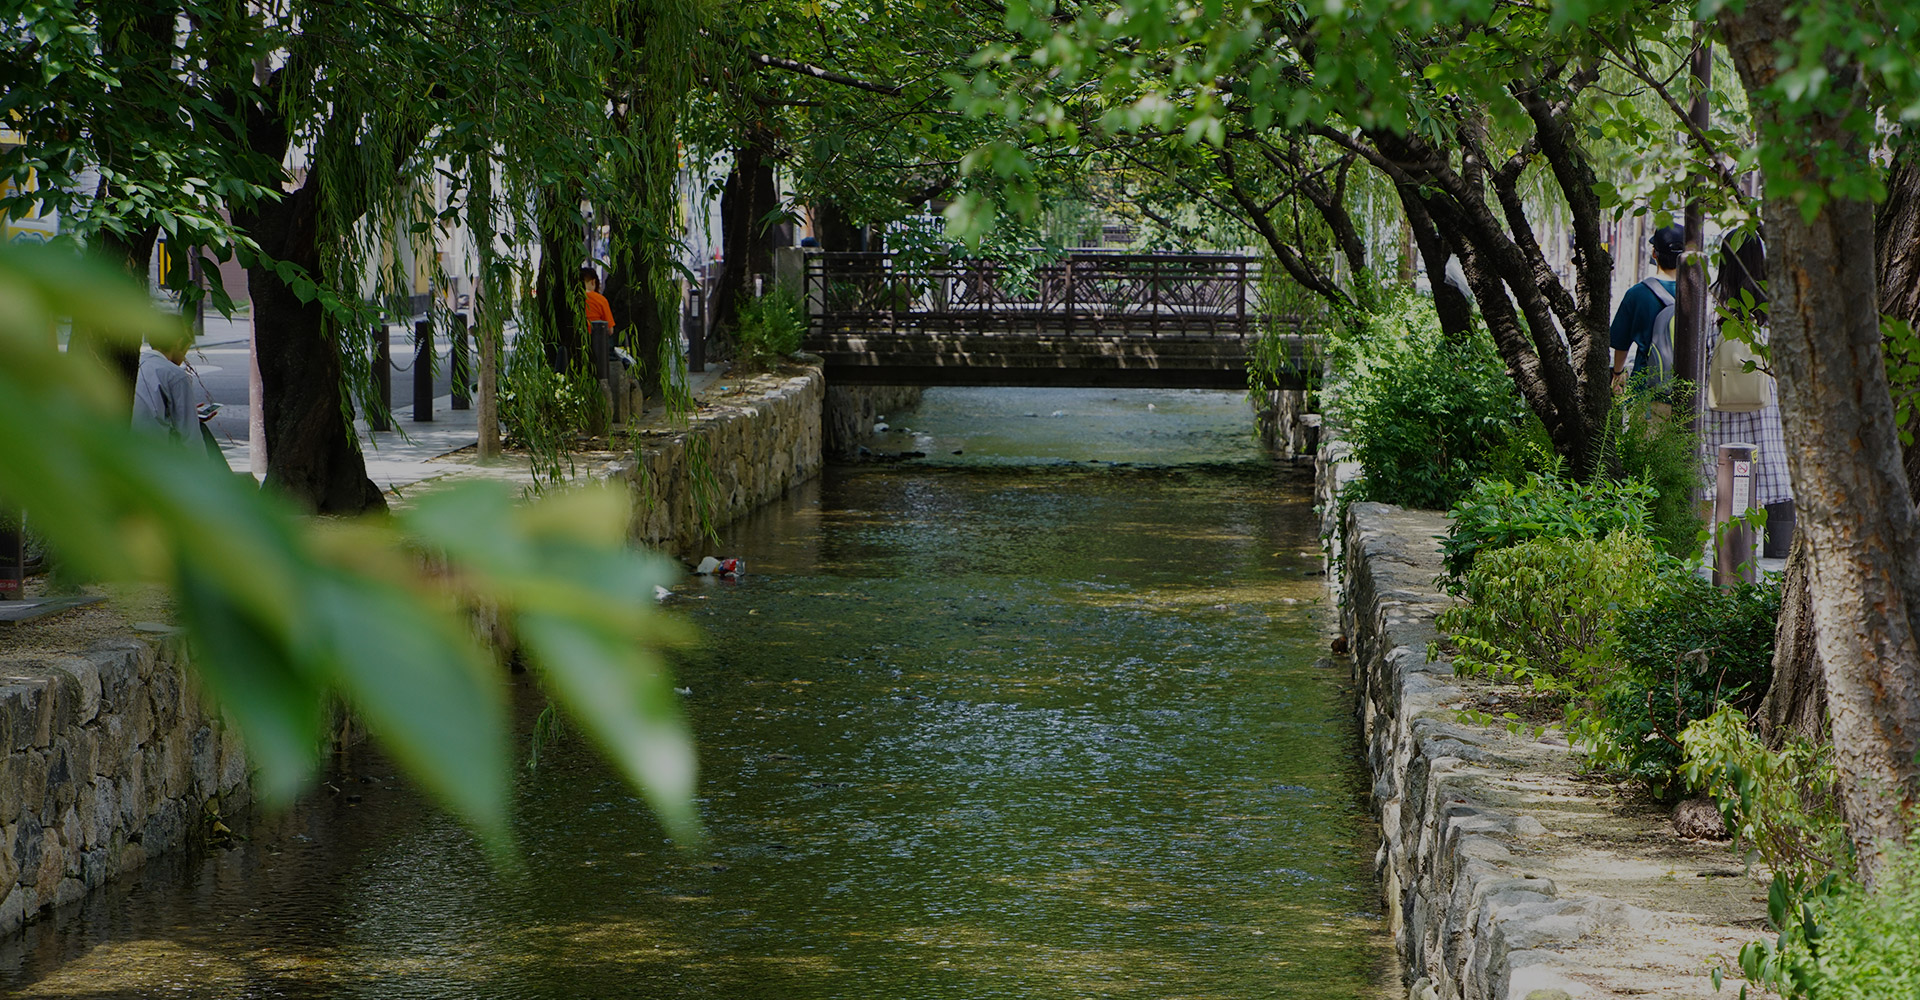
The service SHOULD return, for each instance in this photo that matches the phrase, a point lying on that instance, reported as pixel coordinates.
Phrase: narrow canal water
(1020, 722)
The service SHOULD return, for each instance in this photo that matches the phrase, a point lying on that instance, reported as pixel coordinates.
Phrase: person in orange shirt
(598, 311)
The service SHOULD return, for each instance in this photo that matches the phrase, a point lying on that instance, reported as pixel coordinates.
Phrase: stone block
(15, 784)
(83, 752)
(130, 789)
(61, 784)
(16, 901)
(9, 864)
(50, 864)
(165, 689)
(82, 682)
(99, 813)
(165, 827)
(139, 717)
(118, 667)
(26, 712)
(97, 866)
(71, 889)
(233, 760)
(203, 758)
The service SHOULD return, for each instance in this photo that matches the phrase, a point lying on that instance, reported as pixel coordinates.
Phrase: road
(219, 363)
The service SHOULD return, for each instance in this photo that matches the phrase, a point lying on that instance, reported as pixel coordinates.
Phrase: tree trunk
(632, 291)
(1896, 244)
(312, 453)
(835, 229)
(1796, 703)
(746, 241)
(1842, 446)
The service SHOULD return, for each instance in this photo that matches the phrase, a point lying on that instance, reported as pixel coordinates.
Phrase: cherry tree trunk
(1861, 531)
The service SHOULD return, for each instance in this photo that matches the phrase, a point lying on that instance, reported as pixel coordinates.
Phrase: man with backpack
(1644, 320)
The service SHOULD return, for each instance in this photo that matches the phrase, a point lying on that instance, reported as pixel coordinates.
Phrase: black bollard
(381, 419)
(694, 324)
(462, 392)
(423, 371)
(13, 556)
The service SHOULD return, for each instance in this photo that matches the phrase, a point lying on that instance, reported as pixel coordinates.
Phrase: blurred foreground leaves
(285, 612)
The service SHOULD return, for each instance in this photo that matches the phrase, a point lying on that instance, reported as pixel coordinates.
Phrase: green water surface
(999, 726)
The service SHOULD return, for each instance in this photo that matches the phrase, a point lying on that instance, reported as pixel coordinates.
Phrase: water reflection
(967, 731)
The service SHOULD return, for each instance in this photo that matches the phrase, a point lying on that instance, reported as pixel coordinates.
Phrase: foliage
(543, 410)
(285, 613)
(771, 327)
(1780, 805)
(1497, 513)
(1840, 940)
(1664, 454)
(1695, 649)
(1427, 415)
(1543, 613)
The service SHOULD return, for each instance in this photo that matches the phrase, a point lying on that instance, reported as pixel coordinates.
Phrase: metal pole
(257, 406)
(1068, 295)
(460, 364)
(1733, 560)
(1690, 318)
(423, 371)
(381, 419)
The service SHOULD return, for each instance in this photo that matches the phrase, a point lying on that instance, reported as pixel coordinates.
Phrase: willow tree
(1478, 121)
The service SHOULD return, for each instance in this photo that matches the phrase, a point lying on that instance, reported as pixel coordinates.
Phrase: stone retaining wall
(759, 440)
(110, 757)
(852, 410)
(1507, 873)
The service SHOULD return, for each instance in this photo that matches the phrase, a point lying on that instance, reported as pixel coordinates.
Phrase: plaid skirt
(1761, 428)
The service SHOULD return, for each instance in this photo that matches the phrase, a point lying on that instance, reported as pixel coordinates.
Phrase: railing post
(1068, 295)
(460, 364)
(381, 419)
(1153, 299)
(423, 371)
(1240, 305)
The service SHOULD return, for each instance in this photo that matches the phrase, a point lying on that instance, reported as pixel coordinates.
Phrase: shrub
(1497, 513)
(1780, 805)
(1427, 415)
(769, 328)
(1542, 613)
(543, 411)
(1841, 941)
(1662, 453)
(1694, 649)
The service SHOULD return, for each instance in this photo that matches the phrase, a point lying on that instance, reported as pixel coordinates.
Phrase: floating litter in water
(682, 690)
(709, 566)
(1057, 413)
(661, 593)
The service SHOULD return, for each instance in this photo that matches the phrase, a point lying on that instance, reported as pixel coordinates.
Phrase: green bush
(1663, 454)
(1694, 649)
(1841, 941)
(770, 327)
(1427, 415)
(1542, 613)
(1497, 513)
(543, 411)
(1780, 805)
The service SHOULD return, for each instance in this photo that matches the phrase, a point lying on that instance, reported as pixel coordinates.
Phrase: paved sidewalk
(414, 452)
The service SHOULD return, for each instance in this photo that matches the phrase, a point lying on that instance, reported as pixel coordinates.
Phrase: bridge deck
(1106, 320)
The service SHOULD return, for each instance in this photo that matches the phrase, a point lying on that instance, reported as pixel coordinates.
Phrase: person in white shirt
(163, 392)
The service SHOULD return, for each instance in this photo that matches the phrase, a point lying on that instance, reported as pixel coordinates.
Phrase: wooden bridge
(1088, 319)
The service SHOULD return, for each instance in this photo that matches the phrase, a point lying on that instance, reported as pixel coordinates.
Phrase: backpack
(1731, 386)
(1658, 347)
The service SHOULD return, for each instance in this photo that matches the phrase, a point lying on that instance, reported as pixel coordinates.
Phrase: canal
(1041, 719)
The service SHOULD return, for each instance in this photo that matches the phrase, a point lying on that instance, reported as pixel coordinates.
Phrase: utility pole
(1690, 316)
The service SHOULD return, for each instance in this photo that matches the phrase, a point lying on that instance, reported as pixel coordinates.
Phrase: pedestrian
(1743, 270)
(162, 390)
(598, 309)
(163, 395)
(1644, 319)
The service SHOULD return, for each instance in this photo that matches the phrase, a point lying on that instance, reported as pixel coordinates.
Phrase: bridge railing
(1084, 294)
